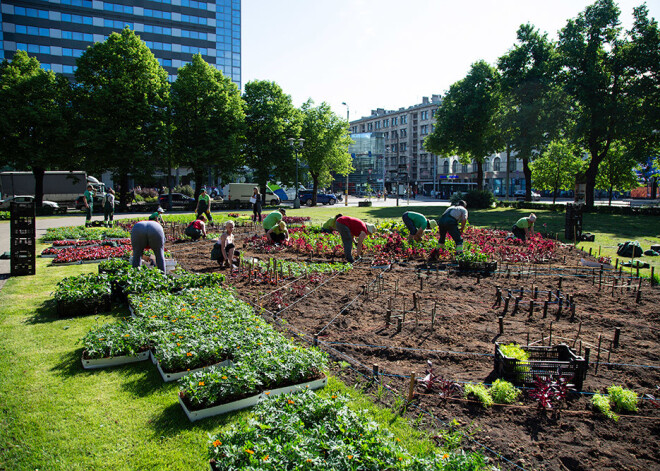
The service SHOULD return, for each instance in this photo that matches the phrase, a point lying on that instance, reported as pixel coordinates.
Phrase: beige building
(404, 131)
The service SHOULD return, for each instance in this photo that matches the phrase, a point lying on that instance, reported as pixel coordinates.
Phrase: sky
(388, 53)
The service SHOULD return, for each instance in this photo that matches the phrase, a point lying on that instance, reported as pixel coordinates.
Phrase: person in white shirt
(109, 208)
(449, 221)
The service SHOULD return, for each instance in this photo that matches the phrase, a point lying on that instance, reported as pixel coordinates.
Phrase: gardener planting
(330, 225)
(272, 220)
(197, 228)
(449, 221)
(224, 250)
(204, 206)
(417, 224)
(524, 227)
(156, 215)
(279, 233)
(350, 228)
(148, 234)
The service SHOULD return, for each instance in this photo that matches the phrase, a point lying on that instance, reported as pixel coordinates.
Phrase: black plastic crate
(544, 362)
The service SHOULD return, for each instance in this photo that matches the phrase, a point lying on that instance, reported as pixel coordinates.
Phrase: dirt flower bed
(452, 319)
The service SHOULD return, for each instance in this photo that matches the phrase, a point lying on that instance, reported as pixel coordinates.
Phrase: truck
(59, 186)
(242, 192)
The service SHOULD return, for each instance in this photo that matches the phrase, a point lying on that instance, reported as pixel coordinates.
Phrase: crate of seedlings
(521, 364)
(81, 295)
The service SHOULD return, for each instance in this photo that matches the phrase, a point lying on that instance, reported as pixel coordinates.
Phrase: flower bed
(124, 339)
(305, 431)
(82, 295)
(78, 254)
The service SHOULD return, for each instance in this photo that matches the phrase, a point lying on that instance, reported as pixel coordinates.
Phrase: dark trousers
(409, 223)
(148, 234)
(108, 213)
(448, 224)
(347, 240)
(518, 233)
(88, 215)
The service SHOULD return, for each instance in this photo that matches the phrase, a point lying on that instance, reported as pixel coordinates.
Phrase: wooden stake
(587, 353)
(652, 276)
(578, 334)
(374, 370)
(545, 309)
(531, 308)
(600, 339)
(316, 340)
(399, 323)
(550, 338)
(616, 263)
(560, 280)
(617, 334)
(500, 320)
(528, 338)
(411, 387)
(638, 297)
(421, 283)
(388, 317)
(506, 305)
(572, 311)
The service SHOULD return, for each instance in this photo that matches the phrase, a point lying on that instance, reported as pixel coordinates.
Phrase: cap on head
(283, 211)
(160, 210)
(532, 217)
(433, 224)
(371, 228)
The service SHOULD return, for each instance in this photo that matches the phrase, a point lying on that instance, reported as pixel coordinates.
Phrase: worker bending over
(417, 224)
(449, 221)
(349, 228)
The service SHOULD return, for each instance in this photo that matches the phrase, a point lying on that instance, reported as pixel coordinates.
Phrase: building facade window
(512, 165)
(486, 164)
(454, 166)
(497, 162)
(464, 168)
(445, 167)
(424, 115)
(395, 121)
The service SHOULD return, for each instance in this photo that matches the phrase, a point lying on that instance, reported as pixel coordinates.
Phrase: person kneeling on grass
(349, 227)
(524, 227)
(272, 220)
(449, 221)
(224, 250)
(279, 233)
(417, 224)
(329, 226)
(197, 228)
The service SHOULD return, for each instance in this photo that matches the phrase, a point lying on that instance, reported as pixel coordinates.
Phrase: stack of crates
(573, 226)
(23, 244)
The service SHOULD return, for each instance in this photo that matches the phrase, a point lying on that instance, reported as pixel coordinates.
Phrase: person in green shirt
(156, 215)
(272, 220)
(204, 206)
(524, 227)
(88, 199)
(417, 224)
(279, 233)
(329, 226)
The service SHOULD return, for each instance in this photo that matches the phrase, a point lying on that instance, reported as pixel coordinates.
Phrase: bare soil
(351, 325)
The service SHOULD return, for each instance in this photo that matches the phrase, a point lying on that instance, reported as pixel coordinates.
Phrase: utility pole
(349, 127)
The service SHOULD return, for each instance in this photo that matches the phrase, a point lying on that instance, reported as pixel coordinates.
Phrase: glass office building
(367, 152)
(57, 32)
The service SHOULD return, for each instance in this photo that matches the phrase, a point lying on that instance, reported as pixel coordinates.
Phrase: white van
(243, 192)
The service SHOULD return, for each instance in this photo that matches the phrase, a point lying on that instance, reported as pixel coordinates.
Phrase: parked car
(178, 199)
(321, 198)
(520, 194)
(6, 203)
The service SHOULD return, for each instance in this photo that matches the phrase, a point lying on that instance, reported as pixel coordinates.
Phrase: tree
(531, 96)
(599, 73)
(617, 171)
(466, 123)
(34, 134)
(122, 101)
(555, 169)
(208, 120)
(326, 144)
(270, 119)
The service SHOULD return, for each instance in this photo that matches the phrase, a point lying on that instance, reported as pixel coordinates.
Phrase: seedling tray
(114, 361)
(544, 362)
(194, 415)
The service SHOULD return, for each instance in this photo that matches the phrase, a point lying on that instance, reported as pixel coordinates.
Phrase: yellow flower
(201, 383)
(265, 458)
(217, 443)
(188, 354)
(350, 457)
(290, 401)
(178, 344)
(224, 377)
(249, 451)
(445, 456)
(267, 393)
(309, 460)
(127, 335)
(334, 396)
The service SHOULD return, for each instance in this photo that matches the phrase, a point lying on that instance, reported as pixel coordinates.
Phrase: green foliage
(124, 338)
(305, 431)
(75, 289)
(617, 170)
(556, 167)
(184, 189)
(466, 120)
(602, 404)
(480, 392)
(4, 215)
(208, 120)
(113, 265)
(513, 350)
(624, 400)
(479, 199)
(504, 392)
(122, 99)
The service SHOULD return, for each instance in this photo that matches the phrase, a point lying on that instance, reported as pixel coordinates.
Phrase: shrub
(624, 400)
(479, 199)
(504, 392)
(185, 189)
(480, 392)
(602, 404)
(456, 197)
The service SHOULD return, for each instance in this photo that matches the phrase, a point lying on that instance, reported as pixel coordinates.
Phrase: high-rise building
(408, 163)
(56, 32)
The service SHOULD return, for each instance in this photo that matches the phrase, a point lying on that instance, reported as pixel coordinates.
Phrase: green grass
(56, 415)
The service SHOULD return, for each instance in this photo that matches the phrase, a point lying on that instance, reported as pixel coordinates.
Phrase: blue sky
(388, 53)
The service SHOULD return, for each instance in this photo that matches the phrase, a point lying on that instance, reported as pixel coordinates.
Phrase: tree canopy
(208, 120)
(555, 169)
(122, 99)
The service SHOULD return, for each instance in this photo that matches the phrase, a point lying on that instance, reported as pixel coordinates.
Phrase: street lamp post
(301, 141)
(349, 127)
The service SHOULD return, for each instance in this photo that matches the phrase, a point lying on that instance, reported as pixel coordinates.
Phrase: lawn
(56, 415)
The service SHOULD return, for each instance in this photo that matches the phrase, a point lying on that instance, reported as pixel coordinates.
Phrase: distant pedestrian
(350, 228)
(256, 204)
(148, 235)
(157, 215)
(88, 199)
(449, 221)
(417, 224)
(524, 227)
(109, 208)
(204, 206)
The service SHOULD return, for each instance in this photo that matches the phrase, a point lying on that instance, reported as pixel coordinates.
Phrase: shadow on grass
(148, 381)
(45, 313)
(70, 364)
(172, 421)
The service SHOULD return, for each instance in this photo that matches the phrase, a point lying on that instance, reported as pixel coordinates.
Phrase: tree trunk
(528, 179)
(654, 187)
(38, 173)
(315, 188)
(480, 175)
(590, 180)
(554, 196)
